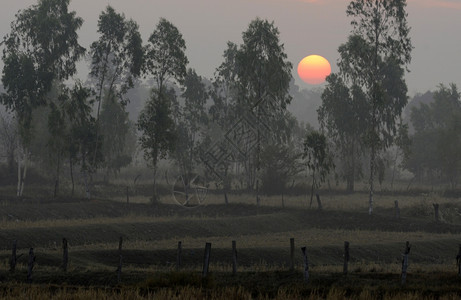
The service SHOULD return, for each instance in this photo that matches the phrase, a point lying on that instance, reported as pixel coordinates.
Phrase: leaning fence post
(65, 255)
(346, 257)
(119, 269)
(13, 258)
(178, 256)
(30, 264)
(206, 260)
(458, 261)
(436, 209)
(306, 265)
(234, 257)
(292, 254)
(405, 262)
(396, 209)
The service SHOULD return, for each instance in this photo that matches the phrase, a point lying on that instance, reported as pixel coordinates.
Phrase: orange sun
(313, 69)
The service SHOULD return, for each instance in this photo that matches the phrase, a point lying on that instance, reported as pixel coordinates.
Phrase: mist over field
(170, 150)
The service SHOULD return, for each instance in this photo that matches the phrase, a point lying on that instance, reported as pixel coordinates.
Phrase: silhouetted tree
(374, 59)
(318, 158)
(117, 58)
(42, 47)
(158, 133)
(437, 138)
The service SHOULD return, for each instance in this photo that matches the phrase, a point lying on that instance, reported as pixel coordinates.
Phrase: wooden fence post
(436, 210)
(292, 254)
(346, 257)
(65, 255)
(306, 265)
(234, 257)
(396, 209)
(318, 201)
(30, 264)
(458, 261)
(178, 257)
(206, 259)
(119, 269)
(405, 262)
(13, 258)
(127, 196)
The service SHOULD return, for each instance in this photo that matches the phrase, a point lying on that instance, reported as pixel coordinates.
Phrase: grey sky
(306, 27)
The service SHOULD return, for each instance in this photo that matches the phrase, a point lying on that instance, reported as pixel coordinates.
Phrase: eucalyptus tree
(115, 128)
(158, 131)
(374, 59)
(117, 58)
(223, 93)
(191, 127)
(264, 75)
(342, 116)
(81, 135)
(224, 88)
(318, 158)
(41, 48)
(165, 61)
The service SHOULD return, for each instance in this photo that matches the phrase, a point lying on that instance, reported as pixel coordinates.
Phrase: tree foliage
(165, 54)
(117, 56)
(41, 47)
(437, 139)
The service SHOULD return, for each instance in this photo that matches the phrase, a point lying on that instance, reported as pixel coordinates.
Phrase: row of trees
(86, 125)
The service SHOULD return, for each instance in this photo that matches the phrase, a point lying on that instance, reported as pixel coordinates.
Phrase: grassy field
(151, 234)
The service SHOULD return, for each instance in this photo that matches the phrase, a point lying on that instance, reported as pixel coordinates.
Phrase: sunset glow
(313, 69)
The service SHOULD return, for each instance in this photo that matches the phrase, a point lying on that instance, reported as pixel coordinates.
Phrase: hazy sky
(306, 27)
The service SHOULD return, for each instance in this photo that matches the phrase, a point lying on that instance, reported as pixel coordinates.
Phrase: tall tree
(374, 59)
(191, 123)
(115, 128)
(42, 47)
(81, 134)
(165, 61)
(116, 58)
(264, 75)
(222, 113)
(343, 116)
(157, 129)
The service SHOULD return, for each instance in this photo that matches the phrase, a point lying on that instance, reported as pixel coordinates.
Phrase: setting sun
(313, 69)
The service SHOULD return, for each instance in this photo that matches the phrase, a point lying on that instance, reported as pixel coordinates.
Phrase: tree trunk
(372, 174)
(24, 173)
(18, 189)
(56, 182)
(155, 195)
(11, 162)
(312, 189)
(72, 176)
(87, 187)
(351, 172)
